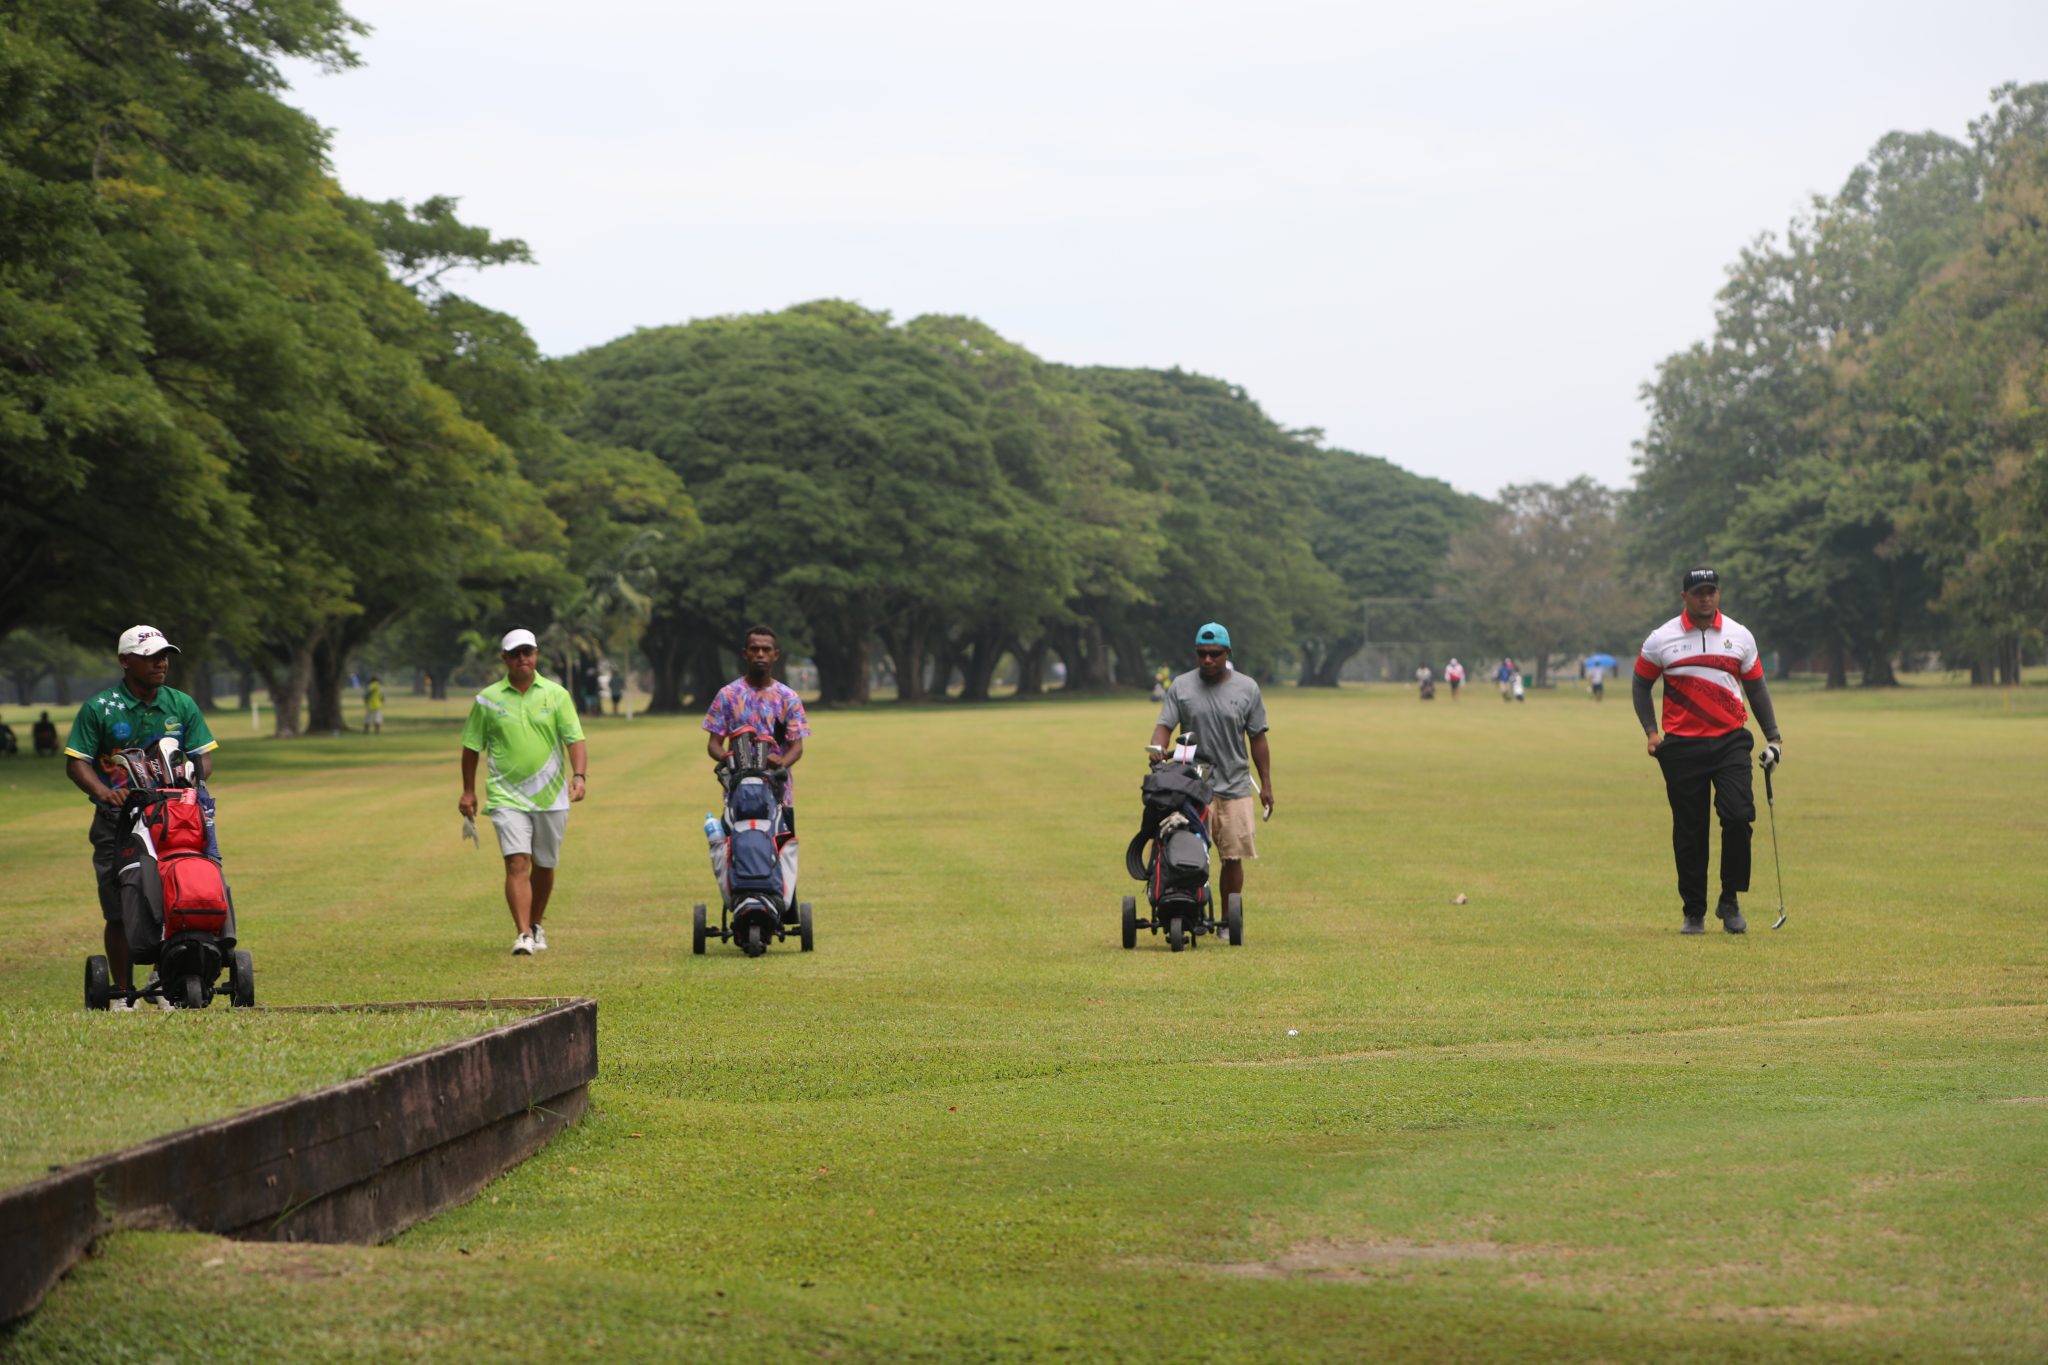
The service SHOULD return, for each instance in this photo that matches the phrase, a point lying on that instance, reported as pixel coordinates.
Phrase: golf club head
(1781, 921)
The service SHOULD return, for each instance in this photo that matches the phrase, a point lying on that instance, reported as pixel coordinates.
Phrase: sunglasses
(1209, 653)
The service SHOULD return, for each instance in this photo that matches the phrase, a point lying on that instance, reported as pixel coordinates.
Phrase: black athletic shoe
(1694, 924)
(1730, 915)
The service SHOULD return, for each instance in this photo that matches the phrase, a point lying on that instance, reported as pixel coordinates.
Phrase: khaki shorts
(1231, 821)
(535, 832)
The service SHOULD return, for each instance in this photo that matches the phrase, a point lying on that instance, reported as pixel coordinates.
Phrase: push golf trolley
(1170, 855)
(753, 856)
(176, 909)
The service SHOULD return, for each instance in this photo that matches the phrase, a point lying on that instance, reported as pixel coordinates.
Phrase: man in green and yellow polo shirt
(526, 730)
(132, 714)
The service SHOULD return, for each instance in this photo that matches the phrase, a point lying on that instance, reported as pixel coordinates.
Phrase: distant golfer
(1454, 674)
(757, 701)
(373, 706)
(132, 714)
(1709, 663)
(526, 729)
(1596, 677)
(1221, 707)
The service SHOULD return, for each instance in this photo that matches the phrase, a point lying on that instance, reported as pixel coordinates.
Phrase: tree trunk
(985, 651)
(2009, 661)
(1877, 668)
(842, 671)
(706, 674)
(199, 680)
(1130, 666)
(245, 684)
(323, 690)
(419, 682)
(1086, 656)
(1031, 668)
(288, 691)
(948, 657)
(1838, 664)
(904, 642)
(664, 658)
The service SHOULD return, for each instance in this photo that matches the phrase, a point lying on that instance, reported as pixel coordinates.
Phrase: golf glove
(1772, 756)
(469, 830)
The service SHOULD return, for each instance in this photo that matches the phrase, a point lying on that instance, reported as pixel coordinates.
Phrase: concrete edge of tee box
(356, 1162)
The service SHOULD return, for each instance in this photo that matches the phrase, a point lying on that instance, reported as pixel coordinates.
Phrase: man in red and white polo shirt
(1709, 664)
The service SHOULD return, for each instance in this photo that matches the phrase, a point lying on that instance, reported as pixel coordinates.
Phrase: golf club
(1771, 804)
(1260, 791)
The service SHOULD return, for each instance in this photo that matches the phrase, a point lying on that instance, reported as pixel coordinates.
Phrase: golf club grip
(1770, 796)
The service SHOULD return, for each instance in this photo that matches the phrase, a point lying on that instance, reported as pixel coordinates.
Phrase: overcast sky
(1457, 235)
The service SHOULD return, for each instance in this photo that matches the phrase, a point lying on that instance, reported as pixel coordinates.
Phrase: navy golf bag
(754, 854)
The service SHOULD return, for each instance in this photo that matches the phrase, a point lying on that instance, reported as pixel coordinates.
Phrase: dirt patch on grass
(293, 1262)
(1353, 1260)
(1820, 1315)
(2024, 1099)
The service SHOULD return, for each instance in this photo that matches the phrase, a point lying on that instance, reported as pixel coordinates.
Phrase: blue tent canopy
(1603, 660)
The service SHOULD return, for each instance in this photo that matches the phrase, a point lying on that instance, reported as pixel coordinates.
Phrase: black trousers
(1692, 766)
(105, 837)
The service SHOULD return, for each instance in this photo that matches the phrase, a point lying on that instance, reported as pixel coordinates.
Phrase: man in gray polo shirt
(1221, 707)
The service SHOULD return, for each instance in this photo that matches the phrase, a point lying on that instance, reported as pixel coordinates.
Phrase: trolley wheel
(754, 947)
(803, 925)
(697, 929)
(195, 993)
(99, 983)
(1176, 937)
(1233, 918)
(242, 980)
(1130, 921)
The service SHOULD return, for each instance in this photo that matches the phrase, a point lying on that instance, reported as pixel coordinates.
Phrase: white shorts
(535, 832)
(373, 715)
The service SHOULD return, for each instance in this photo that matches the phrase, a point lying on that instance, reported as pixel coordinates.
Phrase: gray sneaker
(1694, 924)
(1730, 915)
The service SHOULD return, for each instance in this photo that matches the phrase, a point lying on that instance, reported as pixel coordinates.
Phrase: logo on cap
(1701, 578)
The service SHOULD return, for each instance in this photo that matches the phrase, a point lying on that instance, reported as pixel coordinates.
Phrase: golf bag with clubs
(1170, 855)
(753, 855)
(176, 907)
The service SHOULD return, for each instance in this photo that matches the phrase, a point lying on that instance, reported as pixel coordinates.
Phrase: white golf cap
(144, 640)
(515, 639)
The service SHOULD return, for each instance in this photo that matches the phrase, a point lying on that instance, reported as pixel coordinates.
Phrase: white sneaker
(540, 939)
(120, 1004)
(523, 946)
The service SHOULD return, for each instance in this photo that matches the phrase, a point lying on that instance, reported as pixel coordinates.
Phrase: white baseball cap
(514, 639)
(144, 640)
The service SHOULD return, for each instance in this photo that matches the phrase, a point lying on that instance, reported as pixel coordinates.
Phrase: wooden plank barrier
(356, 1162)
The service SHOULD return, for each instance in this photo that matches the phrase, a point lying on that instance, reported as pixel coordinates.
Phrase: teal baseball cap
(1213, 634)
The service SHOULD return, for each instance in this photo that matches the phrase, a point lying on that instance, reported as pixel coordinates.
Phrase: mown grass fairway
(1538, 1125)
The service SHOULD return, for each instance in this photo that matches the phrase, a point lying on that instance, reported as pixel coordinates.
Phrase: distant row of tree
(1863, 445)
(243, 405)
(939, 496)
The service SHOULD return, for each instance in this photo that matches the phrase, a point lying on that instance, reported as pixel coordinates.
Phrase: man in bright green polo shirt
(526, 730)
(132, 714)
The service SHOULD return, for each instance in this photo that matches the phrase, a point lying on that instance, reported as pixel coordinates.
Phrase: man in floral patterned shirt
(758, 702)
